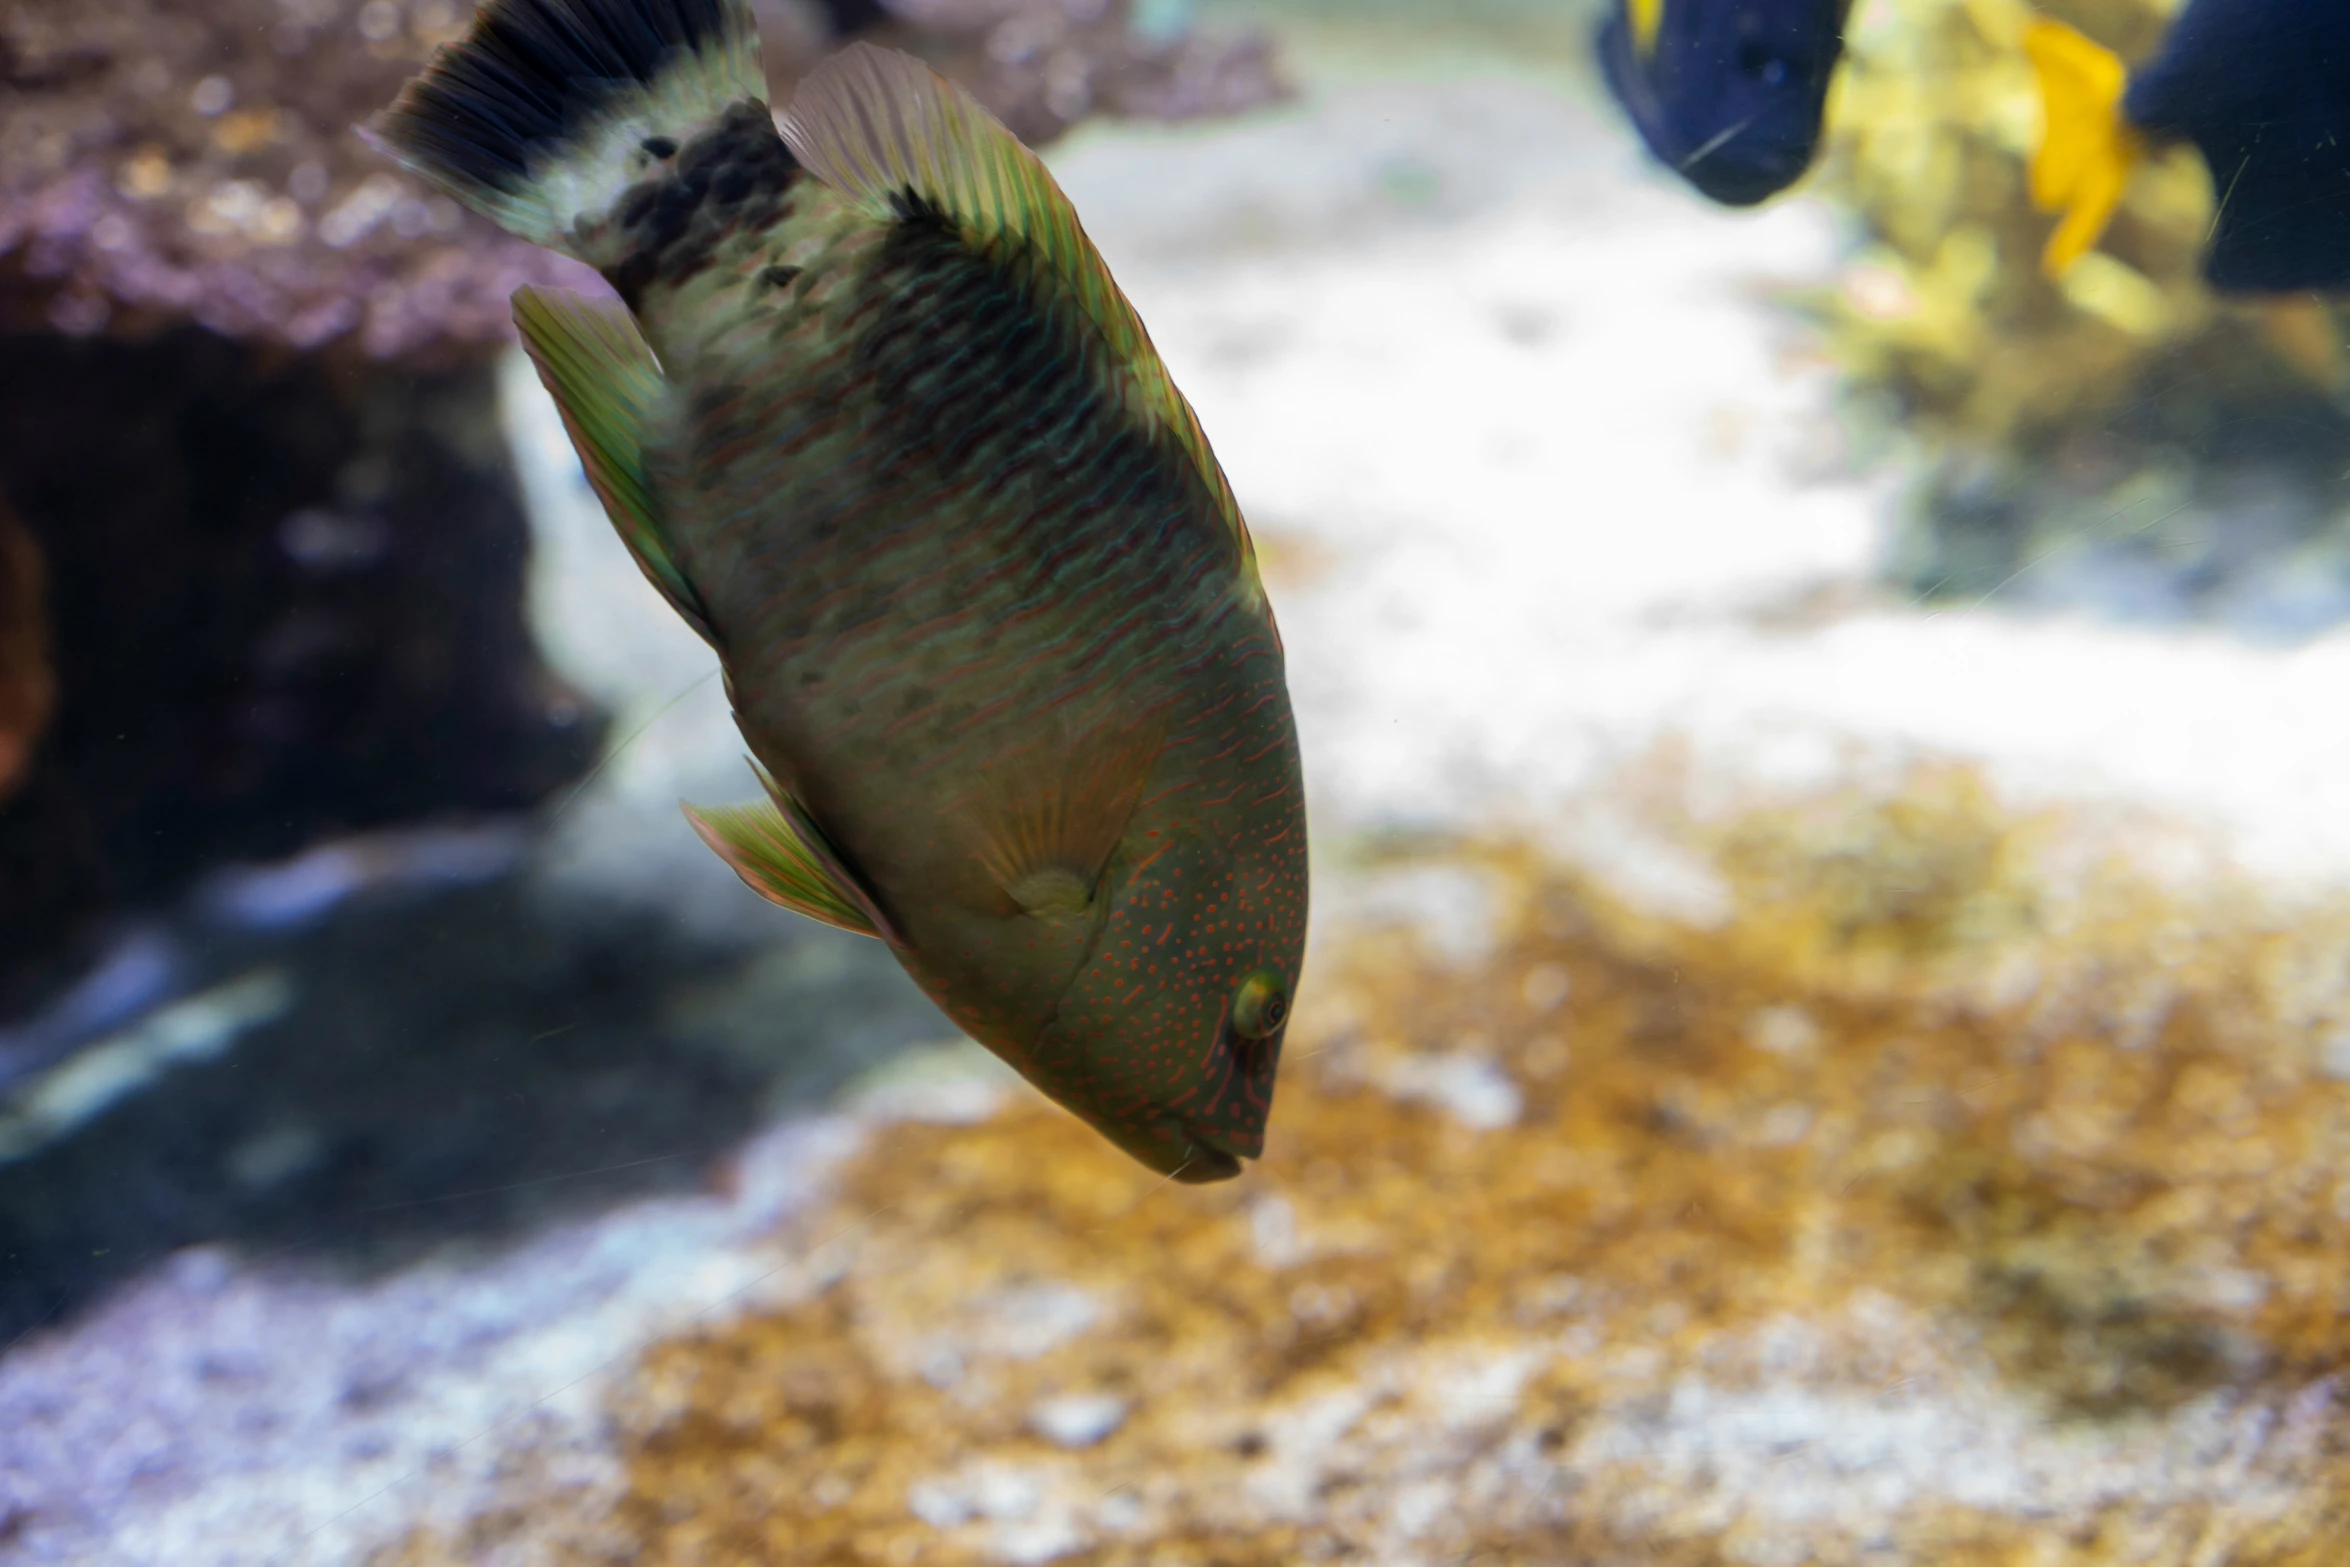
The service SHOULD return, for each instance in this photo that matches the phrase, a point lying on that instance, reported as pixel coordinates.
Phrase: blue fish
(1727, 92)
(2262, 89)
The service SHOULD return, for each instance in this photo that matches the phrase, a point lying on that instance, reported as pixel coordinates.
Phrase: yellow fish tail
(2087, 149)
(1647, 18)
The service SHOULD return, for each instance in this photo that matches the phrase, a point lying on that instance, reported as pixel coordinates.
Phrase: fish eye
(1260, 1005)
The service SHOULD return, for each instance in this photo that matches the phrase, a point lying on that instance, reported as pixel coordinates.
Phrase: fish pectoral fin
(607, 386)
(897, 138)
(1043, 825)
(2087, 149)
(1053, 892)
(781, 855)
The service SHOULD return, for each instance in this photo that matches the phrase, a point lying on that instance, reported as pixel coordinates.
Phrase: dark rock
(247, 411)
(28, 687)
(287, 602)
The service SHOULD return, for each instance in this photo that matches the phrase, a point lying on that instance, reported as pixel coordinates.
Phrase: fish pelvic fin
(889, 133)
(1044, 824)
(2087, 149)
(781, 855)
(1646, 18)
(608, 386)
(547, 110)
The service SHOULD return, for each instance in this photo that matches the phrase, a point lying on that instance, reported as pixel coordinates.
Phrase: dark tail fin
(548, 109)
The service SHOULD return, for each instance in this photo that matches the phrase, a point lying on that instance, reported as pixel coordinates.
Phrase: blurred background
(1827, 1030)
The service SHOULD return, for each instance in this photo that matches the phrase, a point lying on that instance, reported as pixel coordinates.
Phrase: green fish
(875, 419)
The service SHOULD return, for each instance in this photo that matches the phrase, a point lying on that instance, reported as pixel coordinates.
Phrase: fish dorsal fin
(1646, 19)
(880, 127)
(607, 385)
(780, 853)
(2087, 148)
(1044, 824)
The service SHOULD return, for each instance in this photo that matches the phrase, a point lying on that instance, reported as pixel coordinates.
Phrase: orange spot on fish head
(1148, 1052)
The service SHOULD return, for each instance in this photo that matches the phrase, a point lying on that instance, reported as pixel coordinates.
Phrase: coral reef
(161, 162)
(1042, 67)
(285, 600)
(250, 425)
(1962, 1197)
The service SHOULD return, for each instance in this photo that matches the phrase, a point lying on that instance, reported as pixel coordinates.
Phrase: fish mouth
(1217, 1155)
(1209, 1160)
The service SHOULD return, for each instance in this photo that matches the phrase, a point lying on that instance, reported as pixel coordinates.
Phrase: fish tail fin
(1646, 18)
(546, 110)
(2087, 148)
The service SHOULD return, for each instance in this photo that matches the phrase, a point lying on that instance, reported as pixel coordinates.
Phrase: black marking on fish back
(531, 73)
(734, 178)
(979, 367)
(991, 404)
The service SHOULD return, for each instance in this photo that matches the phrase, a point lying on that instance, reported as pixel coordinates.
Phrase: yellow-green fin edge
(779, 854)
(873, 124)
(607, 384)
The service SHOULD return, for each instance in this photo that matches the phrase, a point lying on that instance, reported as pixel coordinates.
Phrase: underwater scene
(1175, 783)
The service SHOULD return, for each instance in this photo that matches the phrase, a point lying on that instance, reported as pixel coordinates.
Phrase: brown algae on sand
(1962, 1196)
